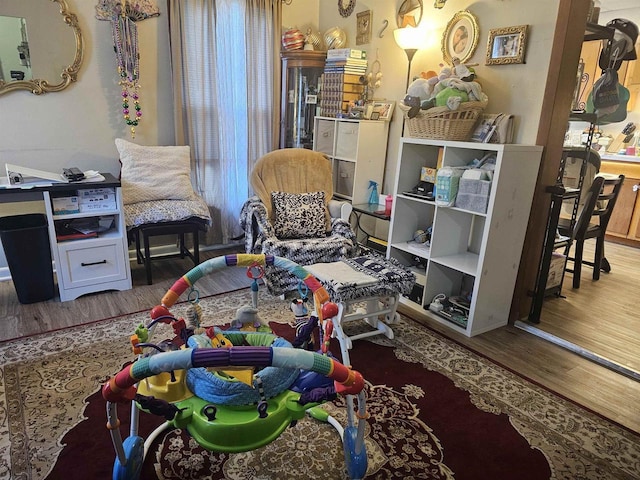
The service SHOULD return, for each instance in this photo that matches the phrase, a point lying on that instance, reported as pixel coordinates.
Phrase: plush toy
(450, 87)
(299, 308)
(445, 72)
(461, 71)
(429, 74)
(451, 98)
(420, 88)
(246, 319)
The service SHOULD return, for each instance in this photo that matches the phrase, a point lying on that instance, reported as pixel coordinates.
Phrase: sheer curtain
(226, 70)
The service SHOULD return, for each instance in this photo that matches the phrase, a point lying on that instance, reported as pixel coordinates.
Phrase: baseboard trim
(584, 353)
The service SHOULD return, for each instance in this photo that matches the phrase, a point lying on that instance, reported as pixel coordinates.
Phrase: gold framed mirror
(44, 35)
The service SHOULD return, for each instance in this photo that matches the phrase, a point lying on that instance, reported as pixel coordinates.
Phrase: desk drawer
(90, 263)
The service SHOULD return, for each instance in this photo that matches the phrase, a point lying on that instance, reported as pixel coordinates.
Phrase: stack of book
(342, 80)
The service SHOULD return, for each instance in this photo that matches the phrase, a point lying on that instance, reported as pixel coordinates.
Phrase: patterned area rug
(438, 411)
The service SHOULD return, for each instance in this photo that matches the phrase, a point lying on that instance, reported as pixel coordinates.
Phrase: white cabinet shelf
(357, 149)
(471, 254)
(92, 264)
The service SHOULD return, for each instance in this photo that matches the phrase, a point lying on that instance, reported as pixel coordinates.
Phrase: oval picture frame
(460, 38)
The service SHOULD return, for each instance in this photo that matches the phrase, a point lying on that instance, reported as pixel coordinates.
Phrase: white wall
(517, 89)
(301, 14)
(77, 126)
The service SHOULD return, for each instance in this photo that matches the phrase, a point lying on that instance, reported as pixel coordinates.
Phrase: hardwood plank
(601, 316)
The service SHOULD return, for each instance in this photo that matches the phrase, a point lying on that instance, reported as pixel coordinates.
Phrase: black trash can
(25, 239)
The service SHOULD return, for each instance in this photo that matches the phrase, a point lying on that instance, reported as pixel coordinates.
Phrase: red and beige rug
(438, 411)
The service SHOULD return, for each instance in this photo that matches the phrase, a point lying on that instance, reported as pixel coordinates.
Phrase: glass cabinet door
(301, 76)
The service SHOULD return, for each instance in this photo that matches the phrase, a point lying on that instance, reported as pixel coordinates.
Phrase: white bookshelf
(470, 252)
(357, 149)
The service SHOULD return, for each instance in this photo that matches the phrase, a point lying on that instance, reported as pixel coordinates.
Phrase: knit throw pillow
(299, 215)
(154, 173)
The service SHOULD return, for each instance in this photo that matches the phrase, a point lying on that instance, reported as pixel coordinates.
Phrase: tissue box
(428, 175)
(65, 205)
(97, 199)
(447, 183)
(556, 269)
(473, 195)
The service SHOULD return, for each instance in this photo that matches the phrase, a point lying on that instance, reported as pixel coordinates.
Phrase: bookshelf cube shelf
(357, 150)
(471, 253)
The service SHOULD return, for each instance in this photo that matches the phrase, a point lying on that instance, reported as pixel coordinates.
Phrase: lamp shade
(409, 37)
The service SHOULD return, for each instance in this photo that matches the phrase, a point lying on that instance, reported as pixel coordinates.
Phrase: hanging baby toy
(123, 15)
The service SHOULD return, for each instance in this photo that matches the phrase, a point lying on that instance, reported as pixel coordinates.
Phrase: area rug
(438, 411)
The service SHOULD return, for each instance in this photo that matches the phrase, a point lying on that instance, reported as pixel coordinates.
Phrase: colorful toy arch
(159, 383)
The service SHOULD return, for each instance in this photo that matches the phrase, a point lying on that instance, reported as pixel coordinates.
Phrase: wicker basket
(443, 124)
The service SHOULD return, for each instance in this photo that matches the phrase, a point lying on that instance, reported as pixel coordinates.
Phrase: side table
(372, 210)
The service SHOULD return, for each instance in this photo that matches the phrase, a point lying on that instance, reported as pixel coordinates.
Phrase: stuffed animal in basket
(451, 87)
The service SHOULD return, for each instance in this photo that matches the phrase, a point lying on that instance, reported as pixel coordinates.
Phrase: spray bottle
(373, 197)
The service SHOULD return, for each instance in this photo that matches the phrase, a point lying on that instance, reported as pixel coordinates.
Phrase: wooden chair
(181, 228)
(159, 199)
(602, 199)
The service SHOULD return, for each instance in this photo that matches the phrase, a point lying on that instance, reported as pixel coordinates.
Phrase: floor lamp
(409, 39)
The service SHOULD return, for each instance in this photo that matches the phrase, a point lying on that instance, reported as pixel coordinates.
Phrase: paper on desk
(30, 177)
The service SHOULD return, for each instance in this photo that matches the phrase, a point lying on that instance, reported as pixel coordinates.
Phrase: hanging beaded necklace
(123, 16)
(125, 41)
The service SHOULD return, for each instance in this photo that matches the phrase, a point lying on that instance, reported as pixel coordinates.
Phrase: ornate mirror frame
(69, 74)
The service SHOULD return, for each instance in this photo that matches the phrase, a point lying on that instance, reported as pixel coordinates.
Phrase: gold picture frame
(363, 35)
(506, 45)
(460, 38)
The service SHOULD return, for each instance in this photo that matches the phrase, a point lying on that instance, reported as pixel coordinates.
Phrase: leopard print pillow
(299, 215)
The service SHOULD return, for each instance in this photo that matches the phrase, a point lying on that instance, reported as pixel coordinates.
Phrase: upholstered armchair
(293, 214)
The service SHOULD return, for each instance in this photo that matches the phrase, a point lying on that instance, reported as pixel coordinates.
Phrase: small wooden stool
(180, 228)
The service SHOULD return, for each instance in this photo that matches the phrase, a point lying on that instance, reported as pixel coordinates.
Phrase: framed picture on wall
(506, 45)
(460, 37)
(364, 28)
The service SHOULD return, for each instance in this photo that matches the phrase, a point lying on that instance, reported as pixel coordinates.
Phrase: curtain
(225, 71)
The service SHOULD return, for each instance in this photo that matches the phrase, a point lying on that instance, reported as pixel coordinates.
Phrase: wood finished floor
(601, 316)
(597, 388)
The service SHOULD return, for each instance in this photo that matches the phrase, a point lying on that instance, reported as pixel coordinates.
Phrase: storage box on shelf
(471, 253)
(90, 263)
(357, 149)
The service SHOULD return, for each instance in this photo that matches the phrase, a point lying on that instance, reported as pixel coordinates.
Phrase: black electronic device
(422, 190)
(73, 174)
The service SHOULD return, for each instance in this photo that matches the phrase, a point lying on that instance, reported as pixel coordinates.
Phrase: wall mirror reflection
(40, 46)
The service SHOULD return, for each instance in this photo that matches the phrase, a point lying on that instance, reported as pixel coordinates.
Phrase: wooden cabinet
(470, 254)
(357, 149)
(91, 264)
(624, 225)
(301, 74)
